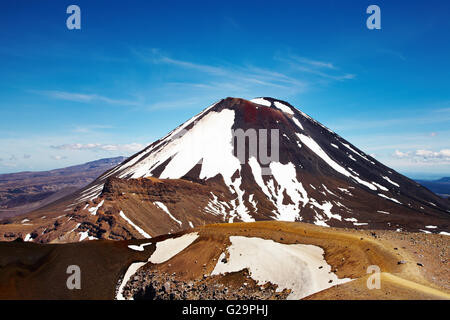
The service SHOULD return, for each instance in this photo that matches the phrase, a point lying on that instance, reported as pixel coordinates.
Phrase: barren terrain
(413, 265)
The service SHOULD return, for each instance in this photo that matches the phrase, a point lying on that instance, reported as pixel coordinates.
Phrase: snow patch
(289, 266)
(164, 251)
(262, 102)
(392, 199)
(390, 181)
(380, 186)
(167, 249)
(138, 229)
(283, 107)
(356, 152)
(297, 123)
(93, 210)
(163, 207)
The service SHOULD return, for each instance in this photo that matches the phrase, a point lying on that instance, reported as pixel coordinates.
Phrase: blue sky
(137, 69)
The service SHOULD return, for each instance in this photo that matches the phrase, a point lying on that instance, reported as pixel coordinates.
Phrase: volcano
(239, 161)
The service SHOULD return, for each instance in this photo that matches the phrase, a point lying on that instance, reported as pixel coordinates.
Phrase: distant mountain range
(440, 186)
(26, 191)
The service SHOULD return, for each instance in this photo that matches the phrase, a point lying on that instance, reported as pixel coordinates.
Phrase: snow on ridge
(326, 209)
(392, 199)
(356, 152)
(140, 247)
(94, 210)
(216, 207)
(283, 107)
(262, 101)
(353, 171)
(313, 146)
(209, 142)
(257, 174)
(163, 207)
(239, 209)
(380, 186)
(304, 269)
(84, 235)
(343, 206)
(90, 193)
(346, 191)
(297, 122)
(126, 168)
(165, 250)
(390, 181)
(253, 202)
(138, 229)
(285, 175)
(169, 248)
(327, 190)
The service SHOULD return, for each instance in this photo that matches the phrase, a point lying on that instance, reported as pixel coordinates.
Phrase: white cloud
(244, 77)
(400, 154)
(85, 97)
(423, 155)
(131, 147)
(58, 157)
(321, 69)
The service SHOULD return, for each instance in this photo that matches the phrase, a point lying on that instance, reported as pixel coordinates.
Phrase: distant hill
(23, 192)
(440, 186)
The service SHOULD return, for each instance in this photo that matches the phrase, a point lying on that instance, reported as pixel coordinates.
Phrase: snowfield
(262, 102)
(164, 251)
(299, 267)
(169, 248)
